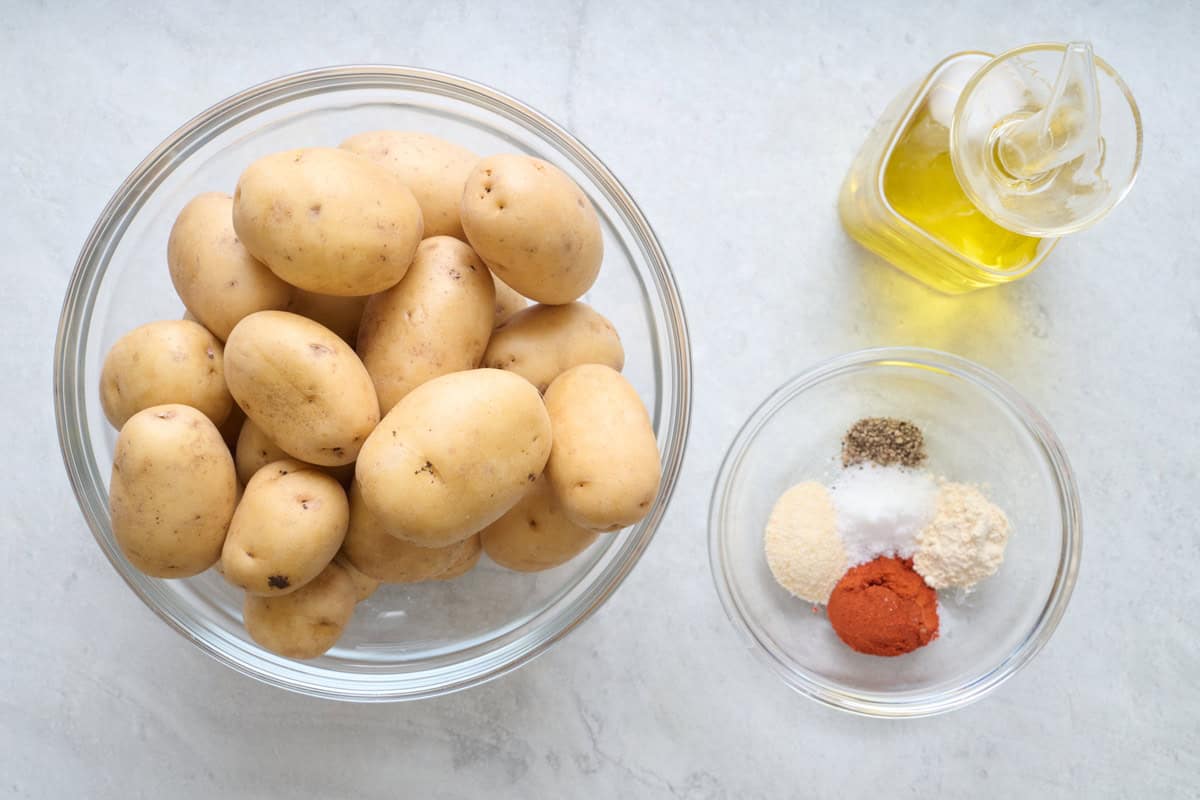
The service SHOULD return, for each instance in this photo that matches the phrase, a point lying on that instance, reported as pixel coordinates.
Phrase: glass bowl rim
(883, 704)
(70, 402)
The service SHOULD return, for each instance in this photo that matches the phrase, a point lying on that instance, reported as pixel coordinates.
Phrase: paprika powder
(884, 608)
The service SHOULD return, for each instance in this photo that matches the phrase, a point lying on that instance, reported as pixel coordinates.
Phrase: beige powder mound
(803, 549)
(965, 541)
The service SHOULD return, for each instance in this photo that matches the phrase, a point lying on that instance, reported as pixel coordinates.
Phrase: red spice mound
(884, 608)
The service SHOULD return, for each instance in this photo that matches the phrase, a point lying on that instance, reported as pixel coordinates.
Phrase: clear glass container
(970, 177)
(977, 430)
(406, 641)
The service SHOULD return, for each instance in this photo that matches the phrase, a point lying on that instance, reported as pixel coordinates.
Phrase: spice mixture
(965, 541)
(884, 608)
(882, 539)
(804, 551)
(880, 510)
(883, 441)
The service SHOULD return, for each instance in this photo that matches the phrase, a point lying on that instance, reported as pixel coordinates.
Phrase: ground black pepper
(884, 441)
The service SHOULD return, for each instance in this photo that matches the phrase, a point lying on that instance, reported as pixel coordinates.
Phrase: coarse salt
(880, 510)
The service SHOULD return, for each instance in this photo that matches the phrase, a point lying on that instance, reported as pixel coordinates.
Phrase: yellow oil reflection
(903, 311)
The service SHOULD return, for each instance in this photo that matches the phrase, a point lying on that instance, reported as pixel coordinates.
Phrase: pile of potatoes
(360, 392)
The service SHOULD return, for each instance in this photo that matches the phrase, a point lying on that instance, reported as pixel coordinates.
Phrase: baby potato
(508, 302)
(377, 553)
(254, 450)
(213, 273)
(302, 385)
(467, 559)
(454, 455)
(604, 465)
(341, 315)
(535, 534)
(364, 585)
(307, 622)
(327, 220)
(435, 321)
(287, 528)
(172, 361)
(533, 227)
(172, 492)
(542, 342)
(434, 169)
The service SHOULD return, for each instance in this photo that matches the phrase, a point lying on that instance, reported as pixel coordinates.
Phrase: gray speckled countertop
(733, 130)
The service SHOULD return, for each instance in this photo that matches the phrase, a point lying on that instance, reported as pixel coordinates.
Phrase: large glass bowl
(406, 641)
(977, 430)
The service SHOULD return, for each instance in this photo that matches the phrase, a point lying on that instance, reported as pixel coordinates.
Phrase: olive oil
(920, 184)
(903, 201)
(969, 177)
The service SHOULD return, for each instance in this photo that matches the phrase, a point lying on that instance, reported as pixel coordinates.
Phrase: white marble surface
(732, 128)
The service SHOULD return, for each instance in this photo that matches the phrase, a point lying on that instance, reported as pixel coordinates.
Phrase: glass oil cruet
(969, 179)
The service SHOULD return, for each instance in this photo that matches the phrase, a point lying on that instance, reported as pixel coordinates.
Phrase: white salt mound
(880, 510)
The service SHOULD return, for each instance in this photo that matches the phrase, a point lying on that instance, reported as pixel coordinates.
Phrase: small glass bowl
(406, 641)
(977, 430)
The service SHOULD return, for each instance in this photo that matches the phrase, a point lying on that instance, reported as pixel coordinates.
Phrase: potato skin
(533, 226)
(341, 315)
(542, 342)
(171, 361)
(302, 385)
(172, 492)
(327, 220)
(213, 272)
(535, 534)
(454, 455)
(364, 585)
(434, 322)
(378, 554)
(508, 302)
(253, 450)
(305, 623)
(434, 169)
(604, 466)
(466, 561)
(288, 526)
